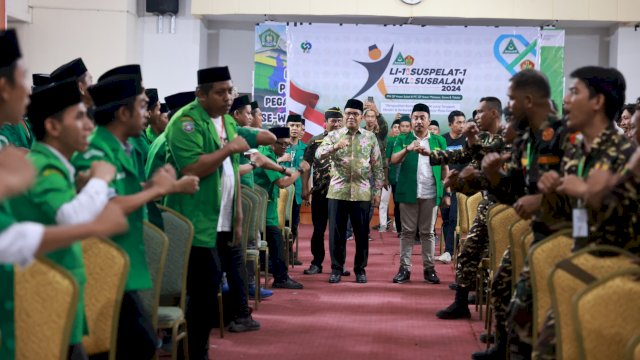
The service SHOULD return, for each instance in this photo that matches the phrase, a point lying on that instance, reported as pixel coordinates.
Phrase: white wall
(584, 46)
(232, 44)
(625, 56)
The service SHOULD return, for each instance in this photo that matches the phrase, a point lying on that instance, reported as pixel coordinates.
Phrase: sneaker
(445, 258)
(244, 324)
(288, 283)
(264, 293)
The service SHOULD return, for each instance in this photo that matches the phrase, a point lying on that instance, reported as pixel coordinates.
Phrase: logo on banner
(376, 69)
(404, 60)
(505, 50)
(269, 38)
(306, 47)
(511, 48)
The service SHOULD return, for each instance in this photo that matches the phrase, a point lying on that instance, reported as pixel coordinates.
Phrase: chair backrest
(107, 268)
(249, 219)
(606, 315)
(500, 217)
(256, 211)
(472, 208)
(179, 231)
(264, 199)
(285, 203)
(525, 246)
(463, 222)
(156, 245)
(291, 197)
(46, 299)
(543, 256)
(518, 230)
(573, 274)
(633, 349)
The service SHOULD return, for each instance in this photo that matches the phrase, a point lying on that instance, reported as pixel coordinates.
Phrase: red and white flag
(304, 103)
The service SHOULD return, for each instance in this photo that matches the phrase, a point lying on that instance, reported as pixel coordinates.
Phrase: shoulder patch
(547, 134)
(188, 126)
(51, 171)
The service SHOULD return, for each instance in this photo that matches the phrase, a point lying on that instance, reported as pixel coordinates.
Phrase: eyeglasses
(282, 144)
(350, 114)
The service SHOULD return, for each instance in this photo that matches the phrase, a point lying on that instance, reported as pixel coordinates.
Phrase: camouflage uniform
(609, 151)
(476, 245)
(534, 153)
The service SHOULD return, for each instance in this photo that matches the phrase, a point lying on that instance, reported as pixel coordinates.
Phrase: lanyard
(581, 167)
(529, 156)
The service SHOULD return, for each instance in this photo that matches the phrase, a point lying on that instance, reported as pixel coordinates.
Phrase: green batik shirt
(297, 154)
(609, 151)
(54, 187)
(355, 167)
(267, 179)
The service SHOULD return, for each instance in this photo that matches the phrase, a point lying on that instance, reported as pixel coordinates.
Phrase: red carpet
(377, 320)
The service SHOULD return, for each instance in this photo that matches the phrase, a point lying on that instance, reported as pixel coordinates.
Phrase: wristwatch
(300, 170)
(253, 165)
(447, 194)
(284, 170)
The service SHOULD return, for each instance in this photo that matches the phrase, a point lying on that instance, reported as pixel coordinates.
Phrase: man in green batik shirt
(357, 160)
(61, 127)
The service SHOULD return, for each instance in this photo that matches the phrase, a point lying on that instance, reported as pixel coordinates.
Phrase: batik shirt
(353, 167)
(321, 167)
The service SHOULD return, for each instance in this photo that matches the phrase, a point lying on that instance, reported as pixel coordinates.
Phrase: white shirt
(19, 243)
(426, 181)
(86, 205)
(228, 183)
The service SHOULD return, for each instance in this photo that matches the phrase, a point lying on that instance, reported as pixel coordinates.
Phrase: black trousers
(340, 211)
(203, 282)
(396, 210)
(276, 253)
(137, 339)
(232, 261)
(319, 217)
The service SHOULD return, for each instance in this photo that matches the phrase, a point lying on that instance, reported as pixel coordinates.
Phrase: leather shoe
(361, 278)
(346, 273)
(402, 276)
(289, 283)
(430, 276)
(313, 269)
(335, 277)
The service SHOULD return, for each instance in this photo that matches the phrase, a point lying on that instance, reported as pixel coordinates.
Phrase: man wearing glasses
(356, 159)
(319, 204)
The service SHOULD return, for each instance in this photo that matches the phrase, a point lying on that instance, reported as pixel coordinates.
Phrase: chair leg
(220, 314)
(488, 302)
(455, 251)
(490, 325)
(266, 269)
(257, 292)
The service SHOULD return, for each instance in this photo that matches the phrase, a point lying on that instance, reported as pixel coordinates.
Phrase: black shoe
(472, 299)
(453, 286)
(244, 324)
(313, 269)
(346, 273)
(288, 283)
(484, 338)
(430, 276)
(297, 262)
(361, 278)
(402, 276)
(335, 277)
(494, 353)
(459, 309)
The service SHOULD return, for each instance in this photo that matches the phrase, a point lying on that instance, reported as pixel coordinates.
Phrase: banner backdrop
(270, 73)
(447, 68)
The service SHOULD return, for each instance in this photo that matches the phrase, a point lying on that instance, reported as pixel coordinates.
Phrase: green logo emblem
(269, 38)
(399, 60)
(511, 48)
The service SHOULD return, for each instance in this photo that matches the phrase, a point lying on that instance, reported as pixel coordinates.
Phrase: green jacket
(18, 135)
(407, 186)
(267, 180)
(7, 323)
(149, 135)
(297, 154)
(157, 156)
(393, 168)
(106, 147)
(190, 134)
(54, 187)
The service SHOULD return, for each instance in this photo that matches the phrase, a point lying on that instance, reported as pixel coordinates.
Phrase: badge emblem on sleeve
(187, 126)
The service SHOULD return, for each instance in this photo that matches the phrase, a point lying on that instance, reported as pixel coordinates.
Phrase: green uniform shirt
(150, 136)
(18, 135)
(106, 147)
(7, 329)
(139, 154)
(248, 178)
(407, 186)
(297, 154)
(393, 168)
(54, 187)
(157, 156)
(267, 180)
(190, 134)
